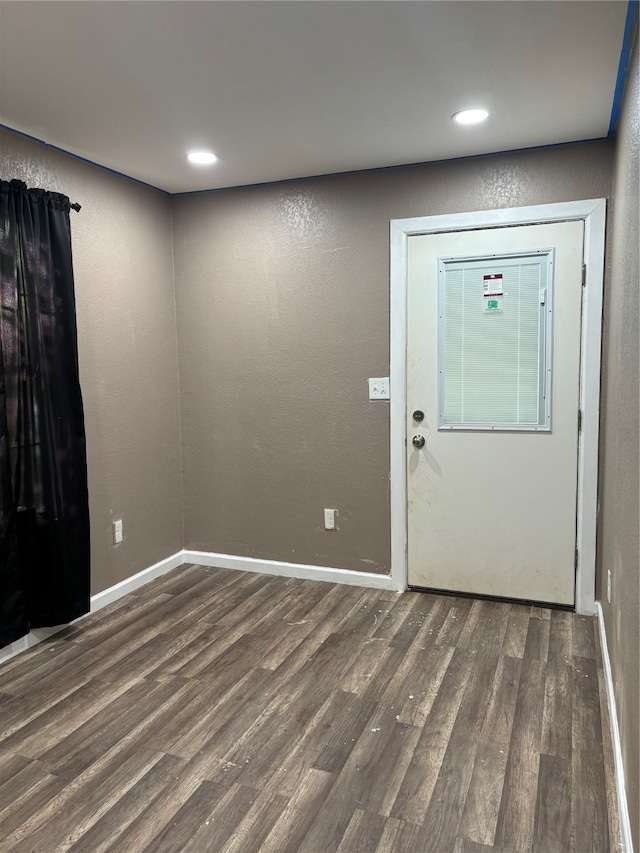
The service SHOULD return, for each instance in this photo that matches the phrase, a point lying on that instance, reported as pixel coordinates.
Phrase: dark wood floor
(220, 711)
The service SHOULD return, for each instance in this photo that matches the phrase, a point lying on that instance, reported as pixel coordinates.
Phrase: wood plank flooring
(220, 711)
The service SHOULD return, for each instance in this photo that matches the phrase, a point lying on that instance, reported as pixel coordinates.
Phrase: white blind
(490, 353)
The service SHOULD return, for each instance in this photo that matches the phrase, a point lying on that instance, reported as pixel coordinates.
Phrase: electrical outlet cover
(330, 519)
(117, 532)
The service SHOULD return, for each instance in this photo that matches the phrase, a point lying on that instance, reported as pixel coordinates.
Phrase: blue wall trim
(623, 66)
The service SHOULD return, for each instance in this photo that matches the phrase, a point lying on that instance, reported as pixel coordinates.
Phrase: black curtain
(44, 514)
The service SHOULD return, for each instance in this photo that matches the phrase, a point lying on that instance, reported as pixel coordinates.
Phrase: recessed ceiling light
(470, 116)
(201, 158)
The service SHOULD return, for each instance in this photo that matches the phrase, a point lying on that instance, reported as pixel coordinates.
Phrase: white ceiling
(289, 89)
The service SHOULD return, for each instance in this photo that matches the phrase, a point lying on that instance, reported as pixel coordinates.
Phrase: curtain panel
(44, 512)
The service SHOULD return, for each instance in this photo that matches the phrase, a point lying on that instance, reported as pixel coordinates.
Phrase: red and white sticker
(493, 285)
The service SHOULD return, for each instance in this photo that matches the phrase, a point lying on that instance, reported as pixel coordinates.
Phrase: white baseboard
(38, 635)
(206, 558)
(623, 806)
(98, 601)
(292, 570)
(113, 593)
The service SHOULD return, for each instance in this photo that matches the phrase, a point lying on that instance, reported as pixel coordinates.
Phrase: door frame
(593, 213)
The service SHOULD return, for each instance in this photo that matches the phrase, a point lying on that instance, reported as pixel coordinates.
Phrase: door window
(494, 352)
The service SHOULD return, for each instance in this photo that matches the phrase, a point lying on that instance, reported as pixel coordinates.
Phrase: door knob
(418, 441)
(418, 415)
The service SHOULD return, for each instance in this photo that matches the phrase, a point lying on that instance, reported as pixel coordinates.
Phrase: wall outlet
(330, 519)
(117, 532)
(609, 585)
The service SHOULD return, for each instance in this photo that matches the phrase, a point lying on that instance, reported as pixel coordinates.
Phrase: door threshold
(503, 599)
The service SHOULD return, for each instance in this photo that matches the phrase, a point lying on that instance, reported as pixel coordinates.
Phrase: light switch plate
(379, 388)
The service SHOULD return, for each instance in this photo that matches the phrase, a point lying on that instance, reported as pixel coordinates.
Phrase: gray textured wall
(618, 540)
(122, 249)
(282, 296)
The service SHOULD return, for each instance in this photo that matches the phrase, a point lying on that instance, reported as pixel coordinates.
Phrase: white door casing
(492, 493)
(592, 213)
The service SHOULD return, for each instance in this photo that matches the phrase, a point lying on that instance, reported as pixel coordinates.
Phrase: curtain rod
(76, 206)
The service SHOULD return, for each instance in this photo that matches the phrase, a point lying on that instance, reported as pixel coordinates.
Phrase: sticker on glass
(493, 285)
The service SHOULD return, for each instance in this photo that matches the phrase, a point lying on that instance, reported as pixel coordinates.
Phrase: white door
(493, 363)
